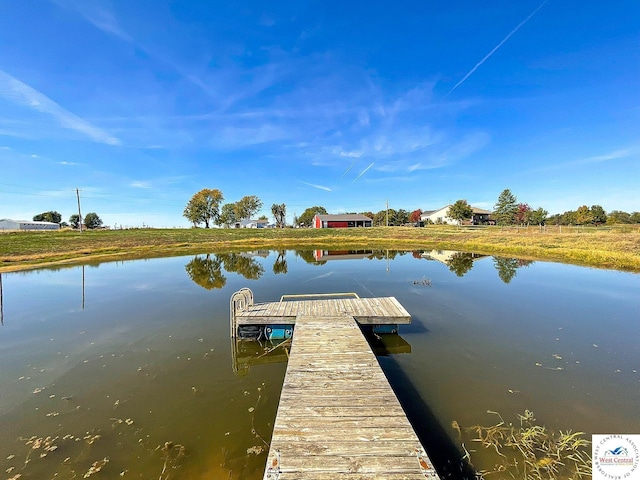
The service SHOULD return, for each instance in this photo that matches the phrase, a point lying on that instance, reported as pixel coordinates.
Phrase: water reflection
(507, 267)
(1, 302)
(280, 265)
(461, 263)
(247, 353)
(207, 271)
(152, 347)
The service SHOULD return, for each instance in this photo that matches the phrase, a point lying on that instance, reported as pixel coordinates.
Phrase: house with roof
(346, 220)
(440, 216)
(259, 223)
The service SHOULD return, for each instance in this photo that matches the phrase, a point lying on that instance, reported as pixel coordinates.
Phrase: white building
(260, 223)
(7, 224)
(478, 217)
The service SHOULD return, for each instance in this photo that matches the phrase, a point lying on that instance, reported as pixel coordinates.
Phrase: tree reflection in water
(507, 267)
(460, 263)
(207, 271)
(280, 265)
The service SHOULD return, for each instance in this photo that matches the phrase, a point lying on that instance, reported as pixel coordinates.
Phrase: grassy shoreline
(614, 248)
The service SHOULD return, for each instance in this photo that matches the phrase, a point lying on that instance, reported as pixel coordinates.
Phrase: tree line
(91, 219)
(206, 207)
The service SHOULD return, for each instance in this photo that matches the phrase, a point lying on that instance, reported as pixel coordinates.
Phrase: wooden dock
(366, 311)
(338, 417)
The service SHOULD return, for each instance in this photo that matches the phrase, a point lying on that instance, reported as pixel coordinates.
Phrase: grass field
(616, 248)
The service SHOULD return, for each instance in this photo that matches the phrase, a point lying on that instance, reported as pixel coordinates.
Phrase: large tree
(523, 214)
(92, 220)
(306, 219)
(583, 215)
(416, 216)
(74, 220)
(538, 216)
(228, 214)
(598, 215)
(504, 211)
(204, 207)
(460, 211)
(618, 216)
(247, 206)
(279, 211)
(51, 216)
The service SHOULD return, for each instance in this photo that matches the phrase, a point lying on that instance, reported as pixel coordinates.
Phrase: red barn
(342, 221)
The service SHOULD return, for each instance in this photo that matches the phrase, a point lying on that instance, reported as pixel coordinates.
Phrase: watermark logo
(616, 457)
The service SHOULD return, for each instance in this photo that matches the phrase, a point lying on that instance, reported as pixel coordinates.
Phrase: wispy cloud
(18, 92)
(364, 171)
(140, 184)
(98, 15)
(606, 157)
(502, 42)
(319, 187)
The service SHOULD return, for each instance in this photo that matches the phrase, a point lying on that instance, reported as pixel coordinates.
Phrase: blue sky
(341, 104)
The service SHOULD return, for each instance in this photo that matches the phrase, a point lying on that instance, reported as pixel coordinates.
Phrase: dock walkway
(338, 417)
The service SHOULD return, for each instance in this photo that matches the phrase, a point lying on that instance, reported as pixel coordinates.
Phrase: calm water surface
(127, 366)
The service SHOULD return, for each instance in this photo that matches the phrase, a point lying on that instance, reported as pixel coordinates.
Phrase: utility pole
(79, 214)
(387, 212)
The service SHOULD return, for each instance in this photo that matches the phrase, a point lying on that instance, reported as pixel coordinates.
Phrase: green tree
(306, 219)
(380, 218)
(92, 220)
(204, 207)
(279, 211)
(51, 216)
(74, 220)
(247, 206)
(598, 215)
(460, 211)
(228, 214)
(538, 216)
(401, 217)
(635, 217)
(504, 211)
(569, 218)
(583, 215)
(618, 216)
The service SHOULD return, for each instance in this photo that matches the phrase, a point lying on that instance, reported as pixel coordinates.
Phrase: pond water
(124, 369)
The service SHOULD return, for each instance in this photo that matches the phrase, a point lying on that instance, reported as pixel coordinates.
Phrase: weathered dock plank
(338, 417)
(367, 311)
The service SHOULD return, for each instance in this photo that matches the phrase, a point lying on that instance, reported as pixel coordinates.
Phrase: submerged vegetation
(617, 248)
(529, 450)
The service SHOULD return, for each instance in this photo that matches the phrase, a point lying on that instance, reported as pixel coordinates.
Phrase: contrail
(320, 187)
(363, 172)
(22, 94)
(486, 57)
(350, 167)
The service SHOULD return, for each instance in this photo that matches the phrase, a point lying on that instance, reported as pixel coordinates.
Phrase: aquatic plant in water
(530, 451)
